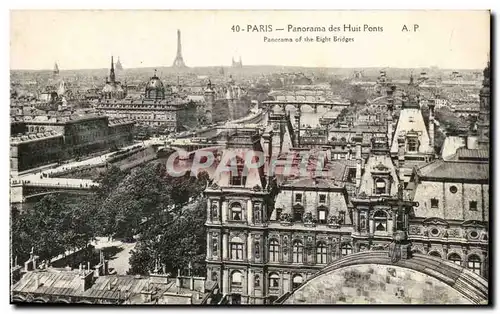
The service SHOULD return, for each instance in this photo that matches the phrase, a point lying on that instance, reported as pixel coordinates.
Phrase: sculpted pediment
(435, 221)
(473, 224)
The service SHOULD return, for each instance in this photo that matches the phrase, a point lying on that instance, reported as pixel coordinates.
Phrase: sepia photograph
(250, 157)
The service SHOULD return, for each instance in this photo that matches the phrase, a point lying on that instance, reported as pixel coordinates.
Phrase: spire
(56, 68)
(119, 65)
(112, 71)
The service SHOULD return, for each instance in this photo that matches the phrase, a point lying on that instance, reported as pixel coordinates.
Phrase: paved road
(120, 261)
(37, 178)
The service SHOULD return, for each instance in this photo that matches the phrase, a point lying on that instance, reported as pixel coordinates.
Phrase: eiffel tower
(179, 62)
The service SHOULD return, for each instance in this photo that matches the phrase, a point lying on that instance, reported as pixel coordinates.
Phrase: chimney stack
(431, 124)
(358, 138)
(86, 280)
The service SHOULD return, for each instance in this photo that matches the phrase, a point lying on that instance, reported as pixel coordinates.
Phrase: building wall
(34, 153)
(263, 275)
(335, 202)
(78, 137)
(452, 206)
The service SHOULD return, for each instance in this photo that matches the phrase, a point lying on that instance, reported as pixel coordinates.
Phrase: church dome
(154, 83)
(155, 88)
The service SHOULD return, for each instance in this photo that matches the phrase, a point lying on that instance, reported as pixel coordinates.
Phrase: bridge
(372, 277)
(298, 104)
(23, 190)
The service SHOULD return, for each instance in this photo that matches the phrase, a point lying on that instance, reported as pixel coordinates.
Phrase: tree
(173, 242)
(52, 227)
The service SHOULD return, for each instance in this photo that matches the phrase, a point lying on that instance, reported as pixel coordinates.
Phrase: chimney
(431, 124)
(178, 280)
(390, 108)
(191, 283)
(358, 140)
(401, 151)
(86, 280)
(203, 285)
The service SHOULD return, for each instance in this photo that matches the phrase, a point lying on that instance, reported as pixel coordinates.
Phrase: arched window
(215, 210)
(298, 250)
(274, 248)
(455, 258)
(321, 253)
(435, 254)
(380, 219)
(346, 249)
(236, 278)
(236, 248)
(236, 213)
(256, 281)
(474, 264)
(274, 280)
(380, 186)
(297, 281)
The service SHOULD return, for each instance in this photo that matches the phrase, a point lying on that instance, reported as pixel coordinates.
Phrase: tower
(209, 102)
(112, 76)
(56, 69)
(179, 62)
(119, 66)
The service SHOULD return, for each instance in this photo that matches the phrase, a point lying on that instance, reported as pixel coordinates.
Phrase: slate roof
(463, 170)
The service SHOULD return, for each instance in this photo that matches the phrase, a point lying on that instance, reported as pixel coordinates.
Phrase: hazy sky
(87, 39)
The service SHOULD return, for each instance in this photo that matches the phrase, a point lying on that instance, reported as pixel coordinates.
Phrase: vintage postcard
(250, 157)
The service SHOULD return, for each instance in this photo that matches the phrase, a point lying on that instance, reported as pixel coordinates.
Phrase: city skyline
(144, 39)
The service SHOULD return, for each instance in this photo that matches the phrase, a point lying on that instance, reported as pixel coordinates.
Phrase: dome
(155, 88)
(154, 83)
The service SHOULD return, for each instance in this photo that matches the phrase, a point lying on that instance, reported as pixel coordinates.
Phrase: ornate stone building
(159, 107)
(268, 234)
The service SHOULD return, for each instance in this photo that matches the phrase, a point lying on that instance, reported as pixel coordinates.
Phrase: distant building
(237, 64)
(158, 107)
(119, 66)
(113, 89)
(52, 139)
(56, 69)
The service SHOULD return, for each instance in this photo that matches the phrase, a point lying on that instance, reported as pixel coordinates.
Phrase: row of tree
(166, 213)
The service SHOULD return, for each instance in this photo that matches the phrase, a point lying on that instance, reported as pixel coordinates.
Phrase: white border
(192, 4)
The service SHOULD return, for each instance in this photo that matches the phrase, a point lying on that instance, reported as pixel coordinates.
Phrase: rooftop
(453, 170)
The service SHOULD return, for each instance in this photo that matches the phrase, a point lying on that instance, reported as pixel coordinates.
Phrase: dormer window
(380, 186)
(237, 180)
(412, 144)
(322, 198)
(298, 198)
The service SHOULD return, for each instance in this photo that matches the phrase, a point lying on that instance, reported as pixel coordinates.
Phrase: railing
(63, 185)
